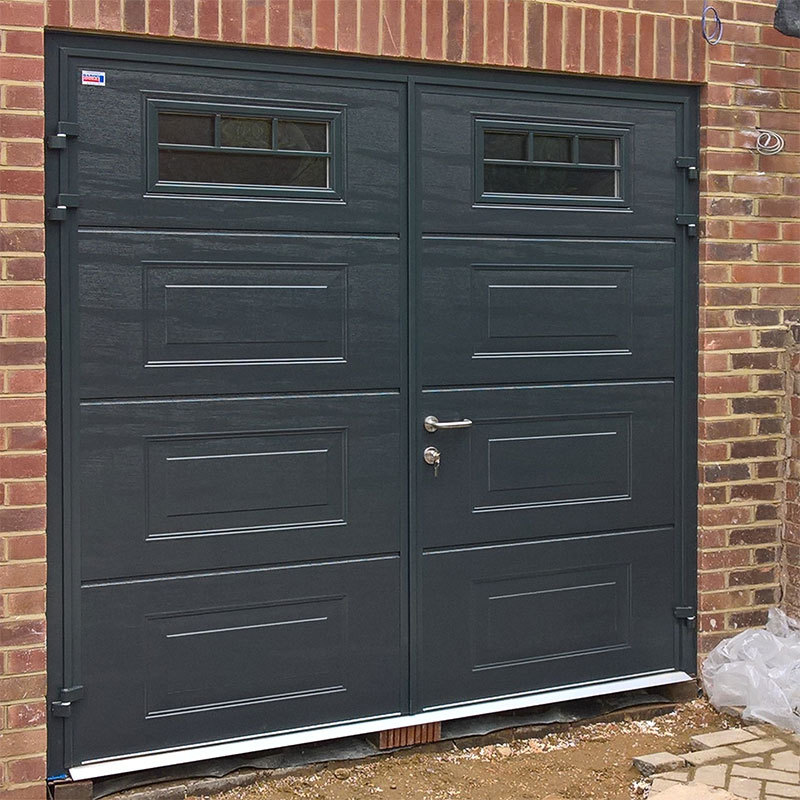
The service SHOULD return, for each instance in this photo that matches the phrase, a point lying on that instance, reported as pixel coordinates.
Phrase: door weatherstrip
(134, 763)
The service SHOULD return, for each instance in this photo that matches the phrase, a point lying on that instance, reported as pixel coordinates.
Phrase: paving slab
(656, 763)
(757, 763)
(693, 791)
(707, 741)
(701, 757)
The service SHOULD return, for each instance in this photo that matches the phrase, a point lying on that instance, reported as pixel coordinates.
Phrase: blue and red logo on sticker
(92, 78)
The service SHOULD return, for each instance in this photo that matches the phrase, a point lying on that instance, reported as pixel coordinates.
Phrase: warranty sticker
(90, 77)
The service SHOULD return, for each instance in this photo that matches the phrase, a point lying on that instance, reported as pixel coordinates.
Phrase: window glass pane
(185, 129)
(522, 179)
(245, 132)
(303, 136)
(552, 148)
(598, 151)
(511, 146)
(242, 168)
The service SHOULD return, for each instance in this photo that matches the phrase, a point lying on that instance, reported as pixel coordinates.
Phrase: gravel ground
(591, 761)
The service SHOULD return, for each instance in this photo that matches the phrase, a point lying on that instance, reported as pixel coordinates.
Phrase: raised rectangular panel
(297, 645)
(215, 312)
(516, 617)
(592, 605)
(254, 481)
(194, 657)
(553, 461)
(542, 311)
(498, 310)
(213, 483)
(240, 313)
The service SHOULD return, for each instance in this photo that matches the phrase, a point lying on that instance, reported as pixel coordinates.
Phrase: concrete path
(757, 763)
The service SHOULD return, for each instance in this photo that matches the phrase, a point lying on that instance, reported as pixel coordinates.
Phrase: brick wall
(791, 532)
(750, 262)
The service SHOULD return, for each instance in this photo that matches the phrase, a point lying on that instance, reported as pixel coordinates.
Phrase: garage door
(374, 393)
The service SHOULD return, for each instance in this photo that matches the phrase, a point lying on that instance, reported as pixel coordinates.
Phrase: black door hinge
(66, 697)
(690, 221)
(63, 202)
(689, 163)
(687, 614)
(58, 141)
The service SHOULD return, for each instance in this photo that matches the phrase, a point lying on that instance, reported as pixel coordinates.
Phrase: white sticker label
(91, 78)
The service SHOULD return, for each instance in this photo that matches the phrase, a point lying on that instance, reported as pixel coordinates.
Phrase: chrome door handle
(432, 424)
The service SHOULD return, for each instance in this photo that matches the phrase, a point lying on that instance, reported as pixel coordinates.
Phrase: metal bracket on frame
(66, 697)
(689, 163)
(63, 202)
(687, 614)
(690, 221)
(63, 130)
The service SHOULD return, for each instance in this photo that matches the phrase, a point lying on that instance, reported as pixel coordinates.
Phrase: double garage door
(269, 272)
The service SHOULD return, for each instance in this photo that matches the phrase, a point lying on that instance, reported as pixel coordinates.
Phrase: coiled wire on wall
(712, 24)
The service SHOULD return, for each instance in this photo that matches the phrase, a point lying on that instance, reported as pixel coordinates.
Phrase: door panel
(117, 152)
(183, 313)
(546, 461)
(452, 165)
(514, 618)
(207, 657)
(509, 310)
(204, 484)
(259, 277)
(549, 278)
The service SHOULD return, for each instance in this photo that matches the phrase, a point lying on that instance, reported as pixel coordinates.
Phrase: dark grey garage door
(267, 273)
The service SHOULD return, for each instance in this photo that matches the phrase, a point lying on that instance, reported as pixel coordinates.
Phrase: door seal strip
(168, 758)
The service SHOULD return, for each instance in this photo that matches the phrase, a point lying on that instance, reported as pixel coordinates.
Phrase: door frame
(62, 546)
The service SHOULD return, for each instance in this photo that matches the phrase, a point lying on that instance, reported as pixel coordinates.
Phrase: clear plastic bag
(757, 673)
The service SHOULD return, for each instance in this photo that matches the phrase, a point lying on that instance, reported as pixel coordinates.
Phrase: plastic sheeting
(757, 673)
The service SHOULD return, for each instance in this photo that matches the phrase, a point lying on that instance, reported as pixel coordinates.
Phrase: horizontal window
(242, 152)
(536, 163)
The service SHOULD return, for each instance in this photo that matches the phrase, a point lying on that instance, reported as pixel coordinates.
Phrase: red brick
(27, 437)
(325, 25)
(14, 409)
(21, 519)
(15, 13)
(26, 381)
(495, 31)
(208, 19)
(573, 30)
(83, 14)
(231, 19)
(21, 126)
(14, 634)
(22, 466)
(627, 44)
(25, 494)
(610, 60)
(434, 24)
(663, 48)
(159, 17)
(392, 28)
(476, 10)
(29, 660)
(348, 25)
(110, 15)
(515, 26)
(27, 770)
(27, 715)
(134, 16)
(554, 40)
(183, 17)
(22, 687)
(29, 43)
(255, 22)
(788, 253)
(24, 154)
(21, 297)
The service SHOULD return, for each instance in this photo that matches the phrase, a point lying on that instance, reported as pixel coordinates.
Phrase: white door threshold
(231, 747)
